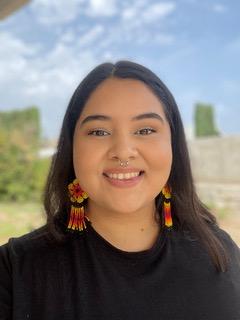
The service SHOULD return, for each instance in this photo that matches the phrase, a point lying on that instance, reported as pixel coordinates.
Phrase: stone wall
(216, 169)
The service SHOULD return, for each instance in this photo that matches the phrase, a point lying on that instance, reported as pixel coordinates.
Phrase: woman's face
(145, 142)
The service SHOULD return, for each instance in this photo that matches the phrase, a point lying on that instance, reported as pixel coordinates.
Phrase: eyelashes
(93, 132)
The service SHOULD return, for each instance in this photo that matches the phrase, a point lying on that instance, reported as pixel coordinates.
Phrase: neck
(135, 231)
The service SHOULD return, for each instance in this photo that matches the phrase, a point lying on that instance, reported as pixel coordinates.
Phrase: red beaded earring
(77, 215)
(167, 206)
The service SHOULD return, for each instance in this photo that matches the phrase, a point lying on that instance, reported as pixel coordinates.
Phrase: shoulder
(17, 252)
(230, 245)
(222, 235)
(36, 242)
(225, 238)
(191, 242)
(189, 239)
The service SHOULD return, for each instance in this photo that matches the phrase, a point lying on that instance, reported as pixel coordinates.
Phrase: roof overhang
(7, 7)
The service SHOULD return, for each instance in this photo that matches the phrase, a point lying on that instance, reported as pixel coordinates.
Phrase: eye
(100, 133)
(97, 131)
(147, 129)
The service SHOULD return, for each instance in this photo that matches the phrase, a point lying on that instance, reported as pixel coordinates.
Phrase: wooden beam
(7, 7)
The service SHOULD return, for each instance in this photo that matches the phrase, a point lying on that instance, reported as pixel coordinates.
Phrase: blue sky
(47, 48)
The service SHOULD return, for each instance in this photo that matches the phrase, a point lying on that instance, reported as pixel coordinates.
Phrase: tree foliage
(204, 120)
(22, 172)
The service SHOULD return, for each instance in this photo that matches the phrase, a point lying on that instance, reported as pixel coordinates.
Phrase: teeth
(122, 176)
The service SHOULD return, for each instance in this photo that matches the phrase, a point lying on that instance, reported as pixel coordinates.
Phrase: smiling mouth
(124, 183)
(123, 179)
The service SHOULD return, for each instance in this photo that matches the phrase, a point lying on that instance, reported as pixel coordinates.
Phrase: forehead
(118, 97)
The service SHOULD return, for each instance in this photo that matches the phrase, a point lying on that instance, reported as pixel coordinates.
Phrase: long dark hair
(188, 212)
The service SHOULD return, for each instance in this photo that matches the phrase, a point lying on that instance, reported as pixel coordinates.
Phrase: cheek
(85, 162)
(160, 165)
(79, 159)
(160, 155)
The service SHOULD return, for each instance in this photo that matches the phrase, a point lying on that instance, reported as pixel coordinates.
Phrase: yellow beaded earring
(167, 206)
(77, 215)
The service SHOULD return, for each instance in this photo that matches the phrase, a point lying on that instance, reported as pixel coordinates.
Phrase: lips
(121, 170)
(124, 183)
(110, 173)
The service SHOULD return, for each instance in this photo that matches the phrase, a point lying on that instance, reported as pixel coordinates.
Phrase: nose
(123, 147)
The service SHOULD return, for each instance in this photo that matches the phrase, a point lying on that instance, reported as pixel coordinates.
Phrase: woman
(126, 235)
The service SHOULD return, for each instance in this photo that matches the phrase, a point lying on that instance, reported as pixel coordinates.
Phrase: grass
(17, 219)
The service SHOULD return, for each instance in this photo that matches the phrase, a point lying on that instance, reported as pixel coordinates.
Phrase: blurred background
(47, 47)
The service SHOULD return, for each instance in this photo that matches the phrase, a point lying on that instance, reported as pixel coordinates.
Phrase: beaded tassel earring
(167, 207)
(77, 216)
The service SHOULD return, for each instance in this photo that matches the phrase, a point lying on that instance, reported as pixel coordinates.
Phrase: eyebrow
(149, 115)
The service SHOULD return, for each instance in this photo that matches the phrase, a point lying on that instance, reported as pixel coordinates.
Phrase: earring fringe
(76, 220)
(167, 214)
(167, 207)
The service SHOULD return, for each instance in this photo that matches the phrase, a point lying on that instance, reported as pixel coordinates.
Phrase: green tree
(22, 173)
(204, 120)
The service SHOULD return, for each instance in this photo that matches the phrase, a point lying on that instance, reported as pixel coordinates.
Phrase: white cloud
(132, 25)
(59, 71)
(92, 35)
(220, 8)
(101, 8)
(68, 36)
(142, 12)
(158, 10)
(108, 55)
(12, 46)
(14, 57)
(133, 10)
(56, 11)
(47, 80)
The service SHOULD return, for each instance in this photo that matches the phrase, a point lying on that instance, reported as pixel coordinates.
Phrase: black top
(88, 278)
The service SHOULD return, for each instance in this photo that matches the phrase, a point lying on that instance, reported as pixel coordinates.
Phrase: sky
(48, 47)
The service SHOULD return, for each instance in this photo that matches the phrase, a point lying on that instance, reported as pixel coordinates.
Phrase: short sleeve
(5, 284)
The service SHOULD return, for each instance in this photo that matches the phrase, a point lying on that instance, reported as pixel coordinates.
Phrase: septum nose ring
(124, 164)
